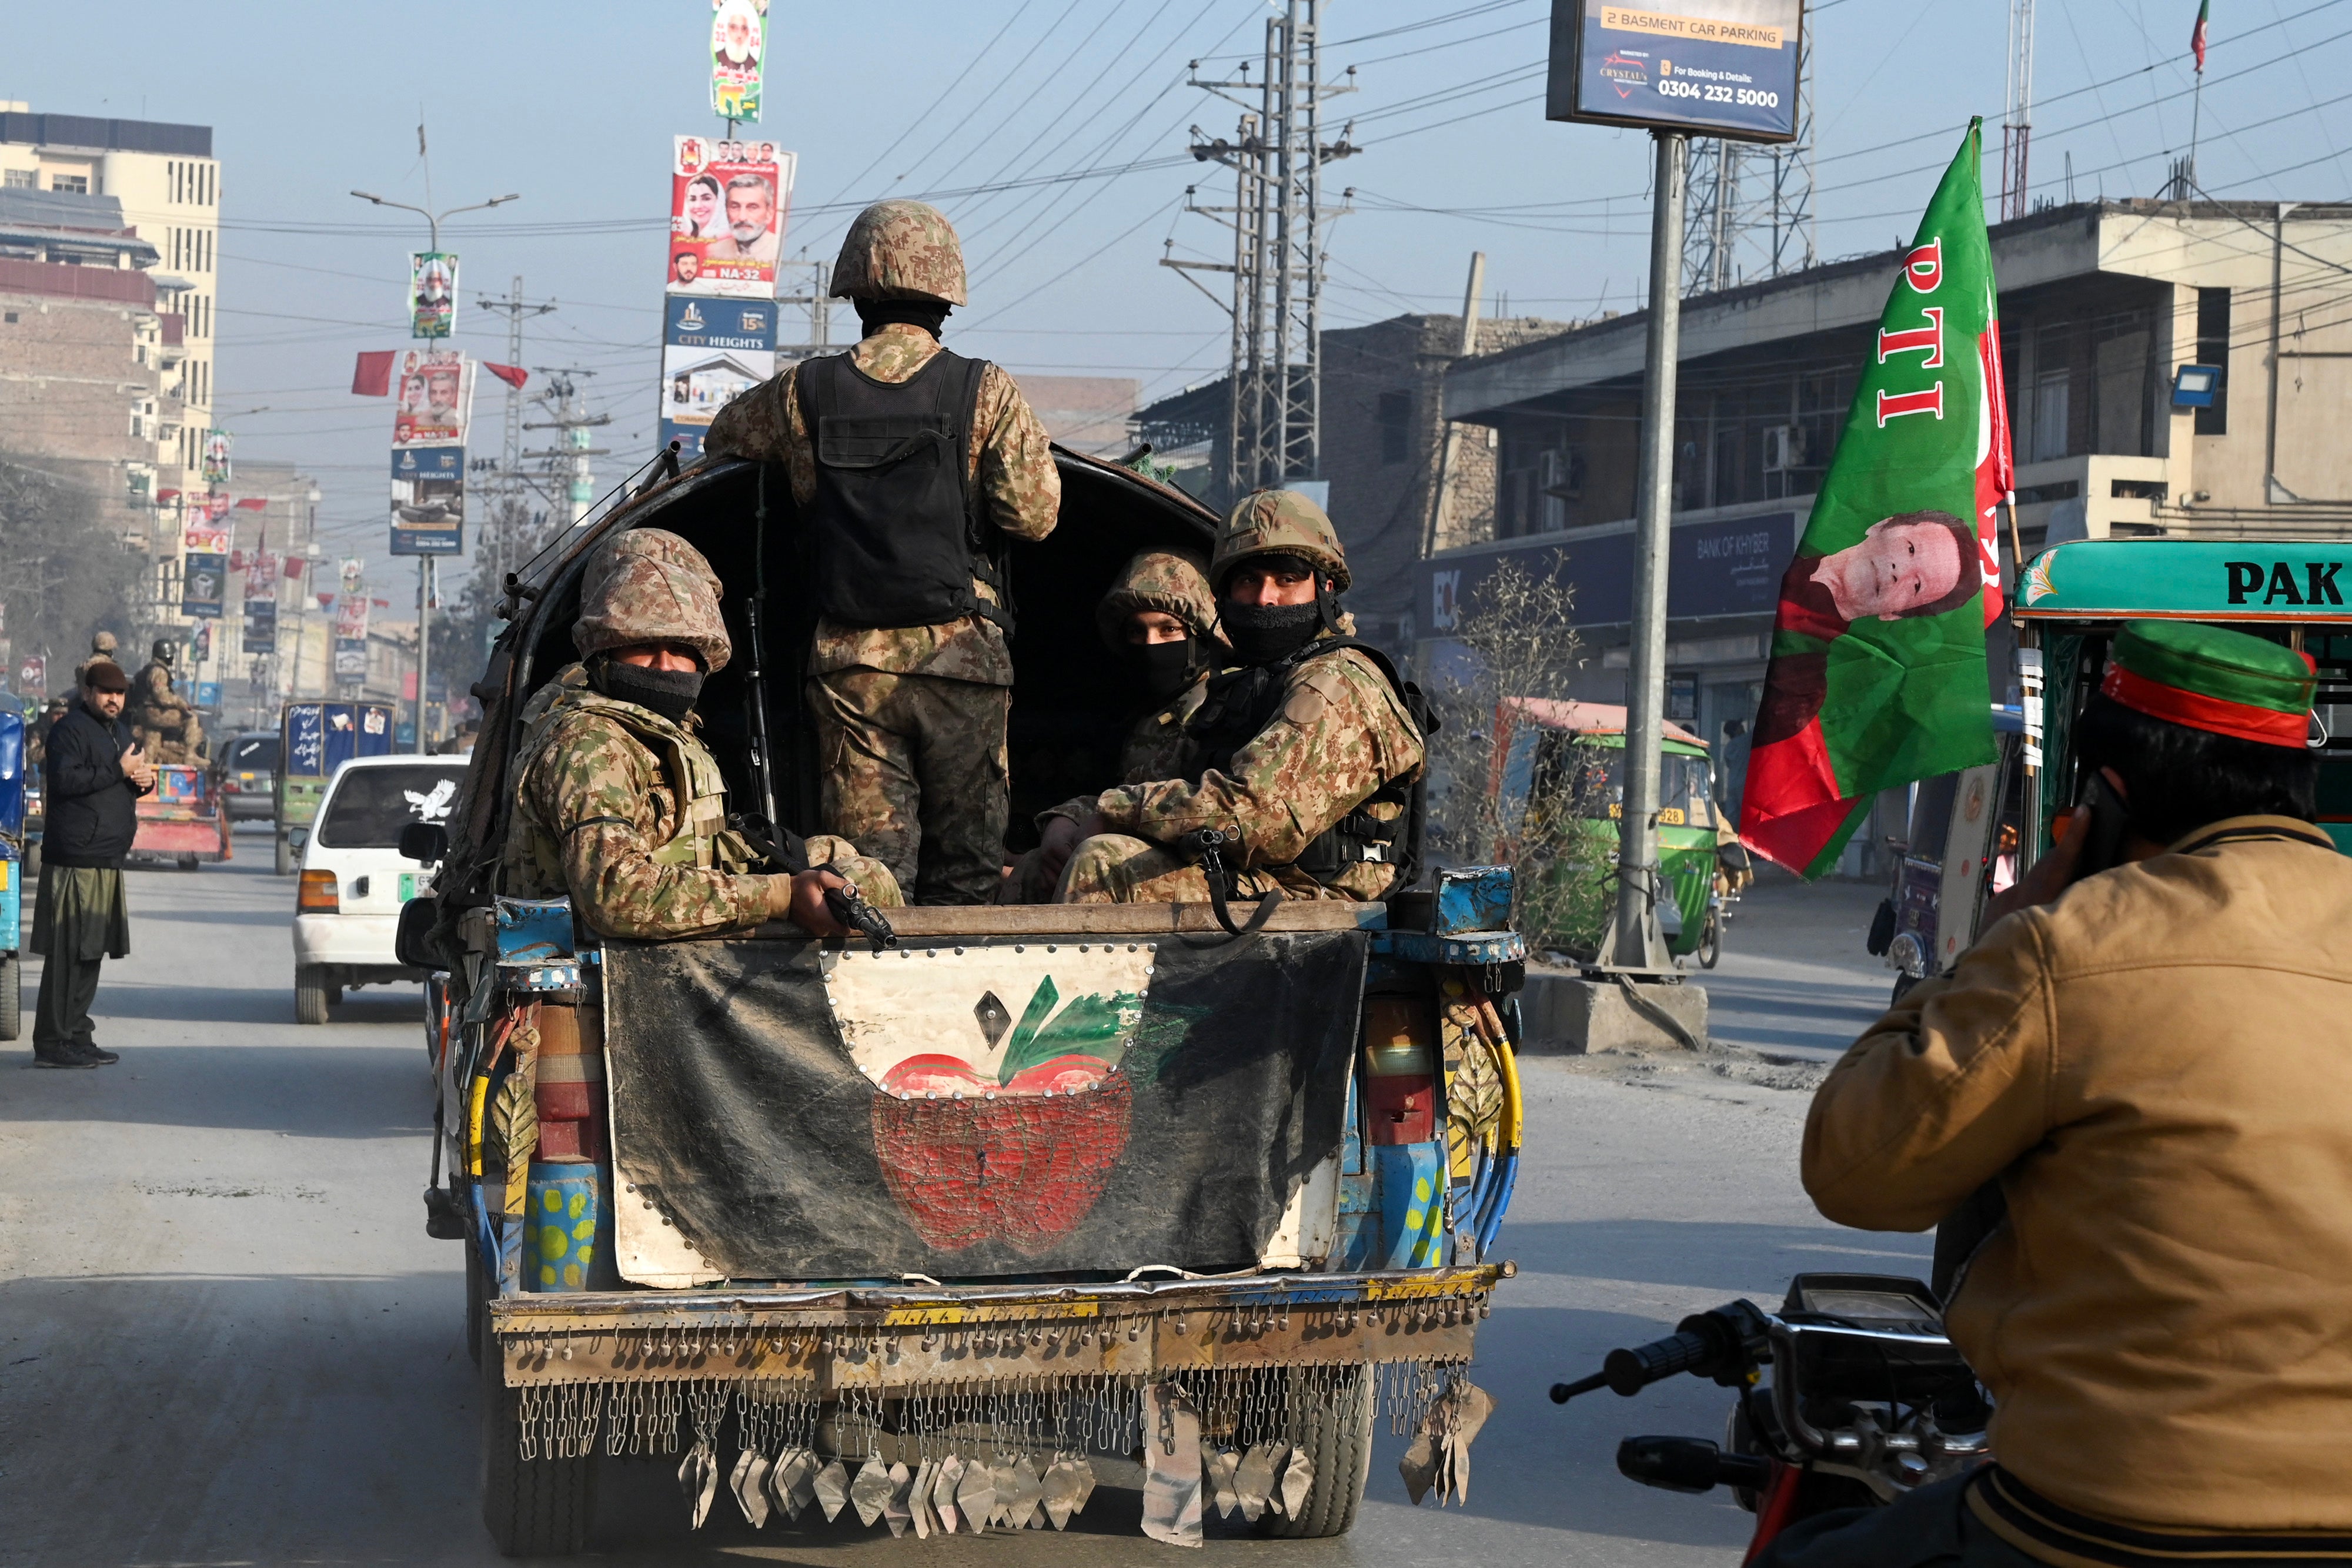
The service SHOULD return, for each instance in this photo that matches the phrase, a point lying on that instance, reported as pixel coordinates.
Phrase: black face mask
(1164, 668)
(1265, 633)
(669, 693)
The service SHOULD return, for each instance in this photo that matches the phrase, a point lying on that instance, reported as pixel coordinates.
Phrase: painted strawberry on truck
(939, 1234)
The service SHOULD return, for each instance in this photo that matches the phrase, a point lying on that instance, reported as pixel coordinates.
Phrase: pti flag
(1878, 652)
(2198, 34)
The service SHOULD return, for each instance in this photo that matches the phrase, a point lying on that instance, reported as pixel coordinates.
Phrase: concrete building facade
(2101, 303)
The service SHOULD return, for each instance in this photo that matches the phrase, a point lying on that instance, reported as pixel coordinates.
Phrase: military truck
(916, 1230)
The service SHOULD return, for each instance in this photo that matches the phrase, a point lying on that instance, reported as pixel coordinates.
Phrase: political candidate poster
(204, 571)
(713, 351)
(738, 47)
(436, 399)
(432, 293)
(215, 457)
(729, 202)
(428, 500)
(1716, 67)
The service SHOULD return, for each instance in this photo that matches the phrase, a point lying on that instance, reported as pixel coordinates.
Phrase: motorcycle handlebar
(1721, 1344)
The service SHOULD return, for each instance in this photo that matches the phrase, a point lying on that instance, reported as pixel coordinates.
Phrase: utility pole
(1278, 219)
(1753, 205)
(2017, 124)
(819, 300)
(507, 491)
(571, 450)
(1639, 885)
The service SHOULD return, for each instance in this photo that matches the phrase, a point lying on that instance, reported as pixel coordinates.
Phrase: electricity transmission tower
(2017, 124)
(572, 452)
(1279, 221)
(1751, 206)
(507, 508)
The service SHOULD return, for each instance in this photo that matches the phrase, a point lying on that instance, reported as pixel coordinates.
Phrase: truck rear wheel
(1338, 1440)
(534, 1507)
(285, 854)
(311, 992)
(12, 996)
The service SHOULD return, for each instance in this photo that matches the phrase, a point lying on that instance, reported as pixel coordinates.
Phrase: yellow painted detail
(1410, 1289)
(474, 1123)
(916, 1317)
(552, 1243)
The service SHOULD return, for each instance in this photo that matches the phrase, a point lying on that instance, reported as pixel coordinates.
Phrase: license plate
(407, 886)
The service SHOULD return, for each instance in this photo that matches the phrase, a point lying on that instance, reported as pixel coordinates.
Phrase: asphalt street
(225, 1337)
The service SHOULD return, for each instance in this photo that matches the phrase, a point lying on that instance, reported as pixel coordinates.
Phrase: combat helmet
(103, 643)
(162, 651)
(1279, 522)
(648, 585)
(1170, 581)
(900, 250)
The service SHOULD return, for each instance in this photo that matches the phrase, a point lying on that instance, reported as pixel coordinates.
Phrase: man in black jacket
(93, 773)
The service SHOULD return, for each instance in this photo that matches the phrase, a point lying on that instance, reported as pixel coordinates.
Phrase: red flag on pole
(2197, 35)
(254, 503)
(513, 375)
(372, 377)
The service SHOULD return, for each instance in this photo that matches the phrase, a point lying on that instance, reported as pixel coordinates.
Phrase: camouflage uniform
(1340, 734)
(910, 719)
(618, 807)
(168, 726)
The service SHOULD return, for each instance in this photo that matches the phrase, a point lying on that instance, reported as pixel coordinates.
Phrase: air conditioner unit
(1784, 447)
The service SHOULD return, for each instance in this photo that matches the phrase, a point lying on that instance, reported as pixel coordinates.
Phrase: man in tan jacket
(2153, 1063)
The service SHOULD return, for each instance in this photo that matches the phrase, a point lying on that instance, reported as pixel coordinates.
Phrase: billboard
(261, 625)
(712, 350)
(738, 46)
(432, 293)
(215, 459)
(428, 500)
(1713, 68)
(436, 398)
(728, 203)
(204, 571)
(351, 635)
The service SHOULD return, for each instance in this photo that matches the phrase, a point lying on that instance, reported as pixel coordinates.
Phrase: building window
(2051, 408)
(1396, 426)
(77, 184)
(2213, 349)
(16, 179)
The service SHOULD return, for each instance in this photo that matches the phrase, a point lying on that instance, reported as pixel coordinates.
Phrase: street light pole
(424, 573)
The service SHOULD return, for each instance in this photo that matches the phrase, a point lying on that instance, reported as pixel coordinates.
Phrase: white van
(354, 881)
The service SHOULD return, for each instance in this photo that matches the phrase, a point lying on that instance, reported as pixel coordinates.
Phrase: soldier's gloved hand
(800, 900)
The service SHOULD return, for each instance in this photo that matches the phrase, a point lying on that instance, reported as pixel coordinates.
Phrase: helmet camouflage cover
(1170, 581)
(1279, 522)
(102, 643)
(900, 250)
(648, 585)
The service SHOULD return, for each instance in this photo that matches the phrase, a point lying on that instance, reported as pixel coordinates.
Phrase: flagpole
(2196, 120)
(1638, 884)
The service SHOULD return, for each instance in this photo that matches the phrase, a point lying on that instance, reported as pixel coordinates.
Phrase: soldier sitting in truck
(1305, 758)
(618, 803)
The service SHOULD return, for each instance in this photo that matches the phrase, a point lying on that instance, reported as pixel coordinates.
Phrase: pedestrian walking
(94, 771)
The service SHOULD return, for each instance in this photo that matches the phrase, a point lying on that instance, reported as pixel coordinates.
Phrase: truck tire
(534, 1507)
(33, 860)
(12, 996)
(189, 862)
(311, 993)
(285, 854)
(1339, 1440)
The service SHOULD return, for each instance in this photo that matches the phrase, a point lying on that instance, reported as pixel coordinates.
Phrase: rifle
(788, 853)
(755, 683)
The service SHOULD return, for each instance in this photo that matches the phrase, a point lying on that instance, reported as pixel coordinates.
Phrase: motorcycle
(1867, 1399)
(1733, 870)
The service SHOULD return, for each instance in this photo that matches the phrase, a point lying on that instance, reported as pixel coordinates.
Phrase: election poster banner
(261, 625)
(215, 457)
(729, 202)
(436, 399)
(432, 293)
(713, 351)
(204, 571)
(738, 46)
(428, 500)
(351, 635)
(1716, 67)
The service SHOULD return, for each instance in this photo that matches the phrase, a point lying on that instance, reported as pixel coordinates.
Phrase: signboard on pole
(204, 571)
(1710, 68)
(738, 47)
(351, 635)
(261, 625)
(728, 205)
(428, 500)
(432, 292)
(436, 399)
(215, 457)
(713, 351)
(33, 675)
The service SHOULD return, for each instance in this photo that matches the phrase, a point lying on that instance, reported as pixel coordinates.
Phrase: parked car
(346, 905)
(246, 771)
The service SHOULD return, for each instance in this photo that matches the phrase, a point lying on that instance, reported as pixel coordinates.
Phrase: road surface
(225, 1337)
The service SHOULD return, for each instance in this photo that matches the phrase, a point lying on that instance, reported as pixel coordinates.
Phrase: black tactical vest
(1241, 702)
(896, 532)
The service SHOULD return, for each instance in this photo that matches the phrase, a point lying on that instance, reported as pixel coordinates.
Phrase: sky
(1054, 132)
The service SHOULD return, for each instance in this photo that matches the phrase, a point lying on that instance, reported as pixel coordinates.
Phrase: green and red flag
(1878, 678)
(2197, 34)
